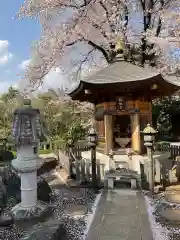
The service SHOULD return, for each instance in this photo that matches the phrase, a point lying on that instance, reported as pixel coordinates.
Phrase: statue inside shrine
(122, 132)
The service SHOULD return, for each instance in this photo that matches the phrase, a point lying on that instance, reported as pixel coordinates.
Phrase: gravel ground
(62, 198)
(74, 225)
(162, 229)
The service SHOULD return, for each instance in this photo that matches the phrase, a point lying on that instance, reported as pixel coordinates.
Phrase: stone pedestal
(27, 163)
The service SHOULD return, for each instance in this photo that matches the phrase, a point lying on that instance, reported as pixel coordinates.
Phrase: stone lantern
(27, 132)
(149, 135)
(149, 138)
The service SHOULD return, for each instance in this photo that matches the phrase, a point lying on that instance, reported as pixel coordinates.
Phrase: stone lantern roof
(149, 130)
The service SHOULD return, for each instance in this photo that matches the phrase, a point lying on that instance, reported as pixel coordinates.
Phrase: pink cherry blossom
(95, 28)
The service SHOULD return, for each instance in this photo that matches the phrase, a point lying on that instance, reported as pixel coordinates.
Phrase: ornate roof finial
(119, 48)
(27, 102)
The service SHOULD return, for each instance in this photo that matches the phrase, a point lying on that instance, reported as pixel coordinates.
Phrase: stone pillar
(93, 166)
(28, 189)
(98, 170)
(135, 128)
(88, 166)
(78, 172)
(83, 175)
(108, 125)
(150, 165)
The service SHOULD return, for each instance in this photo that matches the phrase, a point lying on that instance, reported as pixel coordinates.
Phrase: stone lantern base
(27, 163)
(37, 211)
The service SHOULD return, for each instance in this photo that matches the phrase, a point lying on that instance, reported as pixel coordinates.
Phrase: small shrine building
(122, 94)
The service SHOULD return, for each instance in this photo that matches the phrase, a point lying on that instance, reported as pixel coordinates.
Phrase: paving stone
(121, 215)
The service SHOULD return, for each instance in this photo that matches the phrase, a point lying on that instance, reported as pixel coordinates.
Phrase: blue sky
(15, 41)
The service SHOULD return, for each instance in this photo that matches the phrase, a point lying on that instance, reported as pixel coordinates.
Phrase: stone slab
(172, 194)
(173, 197)
(76, 210)
(172, 215)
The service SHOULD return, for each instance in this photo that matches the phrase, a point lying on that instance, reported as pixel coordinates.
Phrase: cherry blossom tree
(146, 31)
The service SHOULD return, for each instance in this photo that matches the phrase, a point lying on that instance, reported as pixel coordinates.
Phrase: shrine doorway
(122, 131)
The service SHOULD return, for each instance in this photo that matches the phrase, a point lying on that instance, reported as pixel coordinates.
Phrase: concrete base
(36, 211)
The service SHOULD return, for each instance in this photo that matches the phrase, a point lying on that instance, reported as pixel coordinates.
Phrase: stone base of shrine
(26, 213)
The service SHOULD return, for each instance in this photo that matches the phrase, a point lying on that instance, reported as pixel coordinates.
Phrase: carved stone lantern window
(27, 128)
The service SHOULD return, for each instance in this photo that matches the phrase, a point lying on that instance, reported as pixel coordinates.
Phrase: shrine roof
(122, 74)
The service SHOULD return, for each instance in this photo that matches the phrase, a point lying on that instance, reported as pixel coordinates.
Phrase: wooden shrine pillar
(150, 112)
(108, 127)
(135, 129)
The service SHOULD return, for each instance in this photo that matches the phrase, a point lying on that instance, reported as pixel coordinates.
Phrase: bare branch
(101, 49)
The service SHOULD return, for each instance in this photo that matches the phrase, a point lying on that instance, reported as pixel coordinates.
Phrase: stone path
(121, 215)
